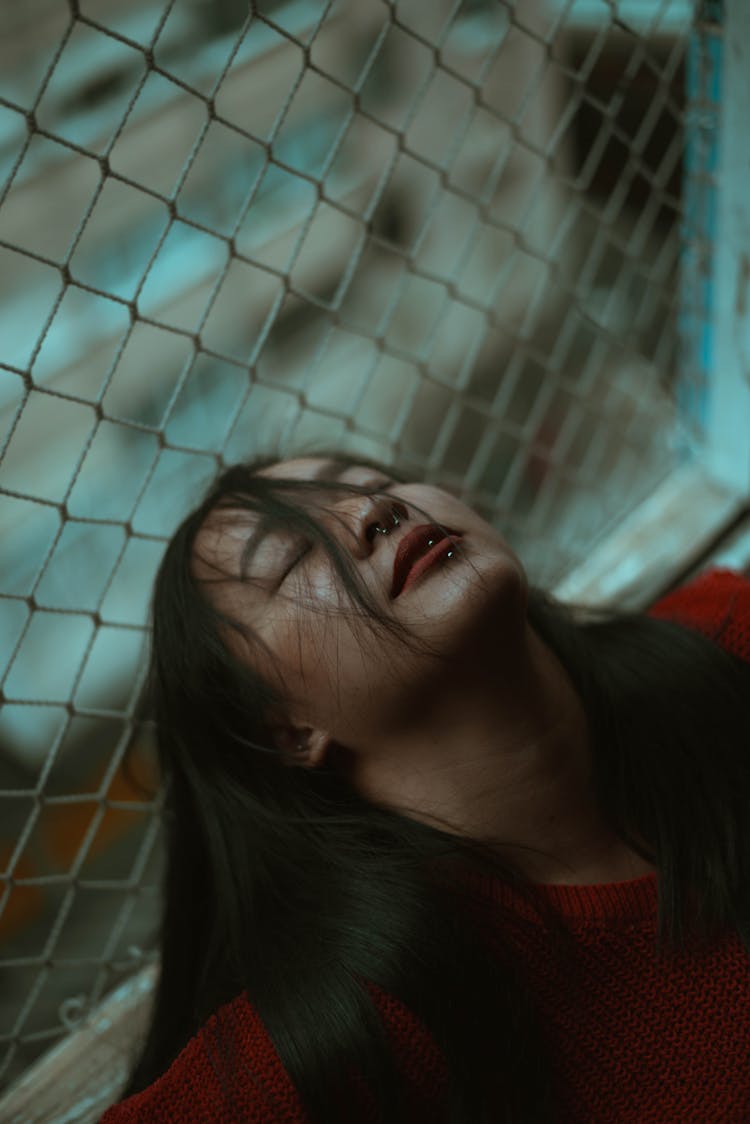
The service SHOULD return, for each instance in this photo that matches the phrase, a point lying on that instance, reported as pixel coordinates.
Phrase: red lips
(418, 550)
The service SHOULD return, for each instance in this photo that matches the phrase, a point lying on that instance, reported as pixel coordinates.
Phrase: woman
(417, 813)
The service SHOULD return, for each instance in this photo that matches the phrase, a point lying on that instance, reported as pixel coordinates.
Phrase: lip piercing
(448, 554)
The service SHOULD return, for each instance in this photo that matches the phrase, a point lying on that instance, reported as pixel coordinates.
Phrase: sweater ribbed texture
(635, 1038)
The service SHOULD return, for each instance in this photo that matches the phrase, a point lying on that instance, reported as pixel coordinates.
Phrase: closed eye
(296, 558)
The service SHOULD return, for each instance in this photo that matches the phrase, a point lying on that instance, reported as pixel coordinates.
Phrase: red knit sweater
(634, 1040)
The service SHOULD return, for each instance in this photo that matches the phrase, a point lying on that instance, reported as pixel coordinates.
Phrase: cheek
(314, 652)
(337, 675)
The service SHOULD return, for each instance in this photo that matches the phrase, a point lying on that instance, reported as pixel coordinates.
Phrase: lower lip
(434, 554)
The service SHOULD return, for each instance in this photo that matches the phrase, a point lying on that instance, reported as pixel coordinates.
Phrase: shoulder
(228, 1071)
(716, 603)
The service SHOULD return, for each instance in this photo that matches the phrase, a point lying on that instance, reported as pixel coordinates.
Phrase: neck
(503, 754)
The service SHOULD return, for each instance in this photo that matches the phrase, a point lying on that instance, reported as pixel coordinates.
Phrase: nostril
(388, 523)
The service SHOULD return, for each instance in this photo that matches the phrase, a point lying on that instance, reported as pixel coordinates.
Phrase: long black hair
(287, 884)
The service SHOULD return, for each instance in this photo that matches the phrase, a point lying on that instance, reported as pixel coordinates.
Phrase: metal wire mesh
(442, 232)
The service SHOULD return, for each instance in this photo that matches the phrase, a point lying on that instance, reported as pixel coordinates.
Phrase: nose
(367, 518)
(384, 525)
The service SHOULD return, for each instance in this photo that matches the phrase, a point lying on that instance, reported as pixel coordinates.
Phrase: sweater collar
(610, 903)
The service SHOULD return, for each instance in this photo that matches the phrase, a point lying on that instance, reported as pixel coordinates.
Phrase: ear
(301, 745)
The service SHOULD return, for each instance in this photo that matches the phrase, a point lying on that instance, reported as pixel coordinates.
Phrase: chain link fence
(442, 233)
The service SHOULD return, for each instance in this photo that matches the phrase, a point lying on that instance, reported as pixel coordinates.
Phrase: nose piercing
(386, 530)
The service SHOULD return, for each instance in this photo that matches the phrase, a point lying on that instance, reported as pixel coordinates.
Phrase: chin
(496, 576)
(502, 591)
(478, 603)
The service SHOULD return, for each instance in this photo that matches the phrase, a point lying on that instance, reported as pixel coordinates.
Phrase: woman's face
(341, 675)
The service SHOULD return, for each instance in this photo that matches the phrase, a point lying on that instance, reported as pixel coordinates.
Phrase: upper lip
(412, 547)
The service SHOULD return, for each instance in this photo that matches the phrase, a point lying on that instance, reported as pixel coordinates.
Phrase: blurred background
(469, 237)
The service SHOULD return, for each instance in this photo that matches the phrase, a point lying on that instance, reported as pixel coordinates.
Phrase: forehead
(220, 542)
(299, 468)
(325, 468)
